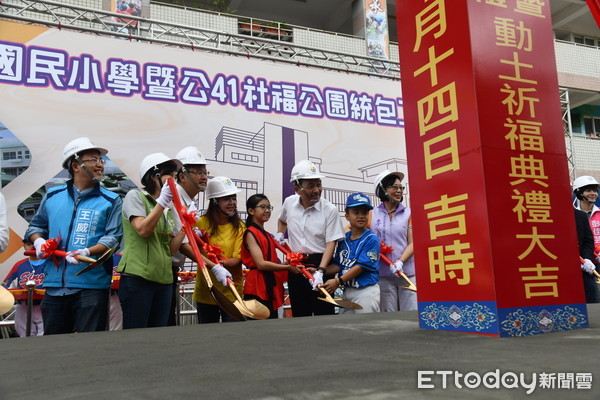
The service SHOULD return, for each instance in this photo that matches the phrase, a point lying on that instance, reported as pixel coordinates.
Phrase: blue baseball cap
(358, 199)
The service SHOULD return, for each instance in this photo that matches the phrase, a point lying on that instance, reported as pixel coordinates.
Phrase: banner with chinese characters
(494, 234)
(376, 29)
(252, 119)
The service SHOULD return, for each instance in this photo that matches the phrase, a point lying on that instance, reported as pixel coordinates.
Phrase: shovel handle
(388, 261)
(307, 274)
(62, 254)
(284, 249)
(411, 285)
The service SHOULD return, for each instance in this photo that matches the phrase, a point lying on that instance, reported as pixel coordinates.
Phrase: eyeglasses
(396, 187)
(95, 160)
(200, 173)
(265, 208)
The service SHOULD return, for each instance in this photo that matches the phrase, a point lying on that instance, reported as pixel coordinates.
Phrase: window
(592, 126)
(244, 157)
(588, 41)
(9, 155)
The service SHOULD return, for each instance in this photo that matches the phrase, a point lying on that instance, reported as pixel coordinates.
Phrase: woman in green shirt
(152, 235)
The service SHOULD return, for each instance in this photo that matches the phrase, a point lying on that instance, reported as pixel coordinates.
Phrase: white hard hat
(305, 170)
(191, 155)
(154, 160)
(220, 186)
(384, 174)
(78, 145)
(584, 180)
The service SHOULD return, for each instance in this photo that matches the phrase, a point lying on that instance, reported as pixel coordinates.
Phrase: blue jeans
(145, 304)
(84, 311)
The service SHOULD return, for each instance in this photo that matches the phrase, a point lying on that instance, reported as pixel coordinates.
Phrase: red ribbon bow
(188, 218)
(295, 259)
(385, 249)
(49, 247)
(213, 252)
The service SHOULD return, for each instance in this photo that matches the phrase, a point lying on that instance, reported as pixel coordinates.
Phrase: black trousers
(303, 299)
(174, 299)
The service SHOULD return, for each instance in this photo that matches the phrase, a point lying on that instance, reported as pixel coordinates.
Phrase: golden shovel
(411, 285)
(101, 260)
(250, 308)
(219, 297)
(339, 302)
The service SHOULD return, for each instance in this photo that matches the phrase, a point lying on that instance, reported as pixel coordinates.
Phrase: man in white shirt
(191, 180)
(313, 226)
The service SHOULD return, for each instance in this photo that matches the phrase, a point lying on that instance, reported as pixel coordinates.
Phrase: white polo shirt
(310, 229)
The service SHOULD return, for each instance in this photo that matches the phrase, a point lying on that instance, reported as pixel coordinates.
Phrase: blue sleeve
(39, 222)
(12, 274)
(368, 257)
(114, 227)
(336, 254)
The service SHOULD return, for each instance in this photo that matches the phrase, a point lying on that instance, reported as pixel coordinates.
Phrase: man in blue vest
(85, 219)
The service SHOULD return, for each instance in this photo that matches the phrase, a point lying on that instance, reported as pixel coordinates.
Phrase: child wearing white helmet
(391, 222)
(225, 228)
(152, 235)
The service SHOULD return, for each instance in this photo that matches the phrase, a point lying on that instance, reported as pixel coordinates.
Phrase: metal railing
(100, 22)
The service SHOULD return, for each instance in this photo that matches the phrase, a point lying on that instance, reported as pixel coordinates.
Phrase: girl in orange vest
(265, 279)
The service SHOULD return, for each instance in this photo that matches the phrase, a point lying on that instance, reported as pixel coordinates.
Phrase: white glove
(318, 280)
(38, 243)
(588, 266)
(165, 197)
(71, 256)
(221, 274)
(280, 238)
(396, 267)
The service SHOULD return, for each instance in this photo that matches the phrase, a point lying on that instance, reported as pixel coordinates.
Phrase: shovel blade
(243, 309)
(339, 302)
(226, 305)
(259, 311)
(342, 303)
(347, 304)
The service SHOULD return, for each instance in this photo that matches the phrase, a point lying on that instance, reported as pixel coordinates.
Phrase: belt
(312, 254)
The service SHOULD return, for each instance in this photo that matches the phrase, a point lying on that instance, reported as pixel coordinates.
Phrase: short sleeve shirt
(310, 229)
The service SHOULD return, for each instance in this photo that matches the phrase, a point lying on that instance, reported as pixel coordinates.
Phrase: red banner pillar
(495, 241)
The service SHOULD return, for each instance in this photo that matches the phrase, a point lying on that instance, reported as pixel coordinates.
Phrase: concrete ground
(369, 356)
